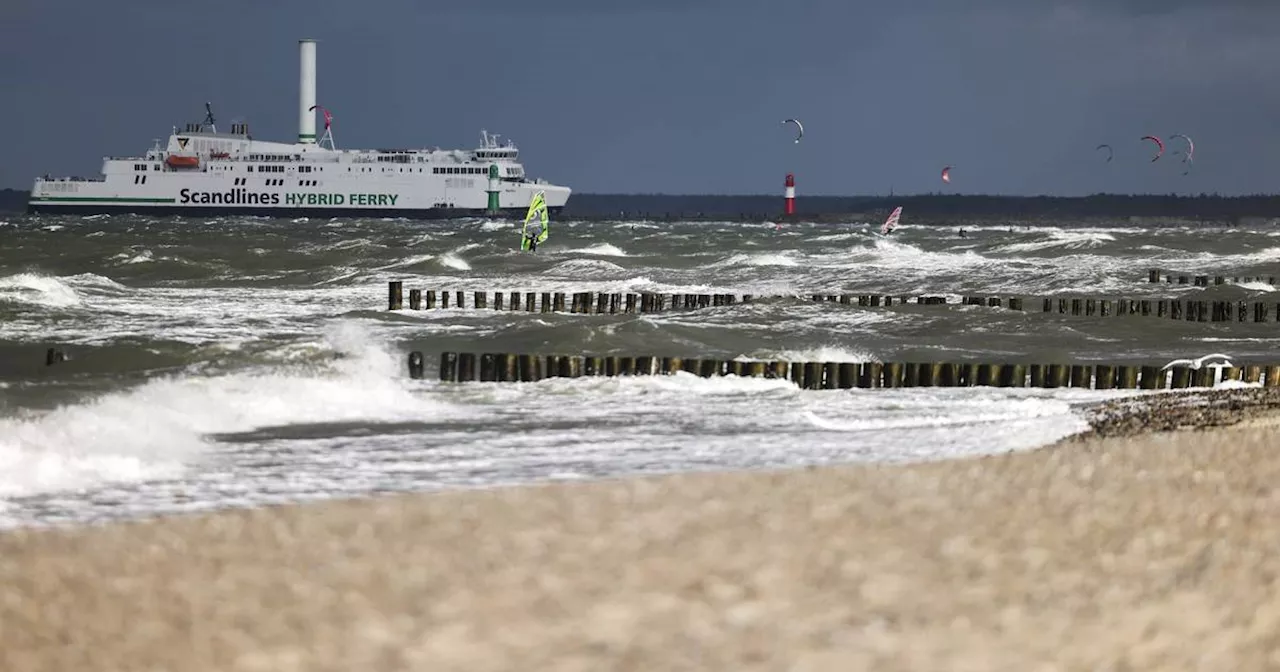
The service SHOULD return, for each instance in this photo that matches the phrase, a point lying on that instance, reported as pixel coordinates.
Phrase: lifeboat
(175, 161)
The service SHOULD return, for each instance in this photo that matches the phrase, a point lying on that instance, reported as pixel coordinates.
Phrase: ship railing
(302, 161)
(47, 178)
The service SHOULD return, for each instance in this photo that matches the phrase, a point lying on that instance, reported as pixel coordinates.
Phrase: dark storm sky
(679, 97)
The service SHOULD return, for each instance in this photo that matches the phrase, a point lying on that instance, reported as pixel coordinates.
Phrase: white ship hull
(235, 193)
(201, 172)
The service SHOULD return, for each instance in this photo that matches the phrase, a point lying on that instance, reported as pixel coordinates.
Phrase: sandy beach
(1120, 549)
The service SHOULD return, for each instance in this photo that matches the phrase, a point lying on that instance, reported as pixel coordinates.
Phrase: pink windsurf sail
(892, 222)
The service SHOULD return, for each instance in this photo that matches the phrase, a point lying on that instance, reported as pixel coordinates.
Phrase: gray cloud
(679, 96)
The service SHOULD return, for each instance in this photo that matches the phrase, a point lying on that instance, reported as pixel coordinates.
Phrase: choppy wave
(1070, 240)
(457, 263)
(160, 428)
(53, 291)
(602, 250)
(200, 364)
(760, 259)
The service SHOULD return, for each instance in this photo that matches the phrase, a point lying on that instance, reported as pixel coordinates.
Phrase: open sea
(238, 362)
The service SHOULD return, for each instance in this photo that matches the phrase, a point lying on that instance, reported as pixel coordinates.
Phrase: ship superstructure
(204, 172)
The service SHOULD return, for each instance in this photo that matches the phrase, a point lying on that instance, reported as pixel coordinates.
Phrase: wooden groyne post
(1191, 310)
(1156, 275)
(508, 367)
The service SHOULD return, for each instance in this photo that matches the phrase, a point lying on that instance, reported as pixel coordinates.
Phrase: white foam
(452, 260)
(40, 290)
(409, 261)
(586, 267)
(1063, 239)
(760, 259)
(160, 428)
(1210, 261)
(836, 236)
(602, 250)
(819, 354)
(349, 244)
(1234, 385)
(681, 382)
(1006, 419)
(895, 254)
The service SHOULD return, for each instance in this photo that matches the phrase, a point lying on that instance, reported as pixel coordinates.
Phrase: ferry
(202, 172)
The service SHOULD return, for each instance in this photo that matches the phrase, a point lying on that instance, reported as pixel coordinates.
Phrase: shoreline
(1175, 411)
(1154, 546)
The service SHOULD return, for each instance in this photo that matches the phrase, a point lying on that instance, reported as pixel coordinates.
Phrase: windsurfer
(531, 235)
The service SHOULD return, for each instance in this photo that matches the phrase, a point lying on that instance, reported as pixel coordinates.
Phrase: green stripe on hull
(96, 199)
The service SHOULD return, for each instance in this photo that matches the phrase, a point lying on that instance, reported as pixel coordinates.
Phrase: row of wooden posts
(1189, 310)
(559, 302)
(648, 302)
(613, 303)
(635, 302)
(508, 367)
(1155, 275)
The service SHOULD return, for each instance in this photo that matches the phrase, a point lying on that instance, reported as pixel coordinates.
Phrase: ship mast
(328, 128)
(208, 117)
(328, 135)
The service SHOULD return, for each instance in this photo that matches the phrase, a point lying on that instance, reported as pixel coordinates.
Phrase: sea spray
(159, 428)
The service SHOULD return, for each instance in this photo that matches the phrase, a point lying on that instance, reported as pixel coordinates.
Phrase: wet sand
(1117, 550)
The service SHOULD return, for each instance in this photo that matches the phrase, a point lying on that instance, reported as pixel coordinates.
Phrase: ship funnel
(307, 92)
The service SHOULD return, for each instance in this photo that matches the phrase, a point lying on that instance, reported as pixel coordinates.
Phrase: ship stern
(555, 195)
(33, 197)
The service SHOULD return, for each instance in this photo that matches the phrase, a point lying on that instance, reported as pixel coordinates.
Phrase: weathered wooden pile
(512, 367)
(559, 302)
(1191, 310)
(1157, 275)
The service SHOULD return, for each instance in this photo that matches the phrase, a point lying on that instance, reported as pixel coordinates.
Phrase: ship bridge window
(139, 166)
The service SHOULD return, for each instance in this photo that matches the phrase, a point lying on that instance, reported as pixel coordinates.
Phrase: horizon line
(800, 197)
(887, 196)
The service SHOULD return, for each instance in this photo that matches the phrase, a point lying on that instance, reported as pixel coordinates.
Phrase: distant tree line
(12, 200)
(923, 208)
(1209, 207)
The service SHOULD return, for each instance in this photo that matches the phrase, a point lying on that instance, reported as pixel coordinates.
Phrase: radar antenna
(208, 117)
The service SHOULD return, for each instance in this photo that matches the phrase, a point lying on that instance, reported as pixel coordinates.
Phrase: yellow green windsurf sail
(535, 222)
